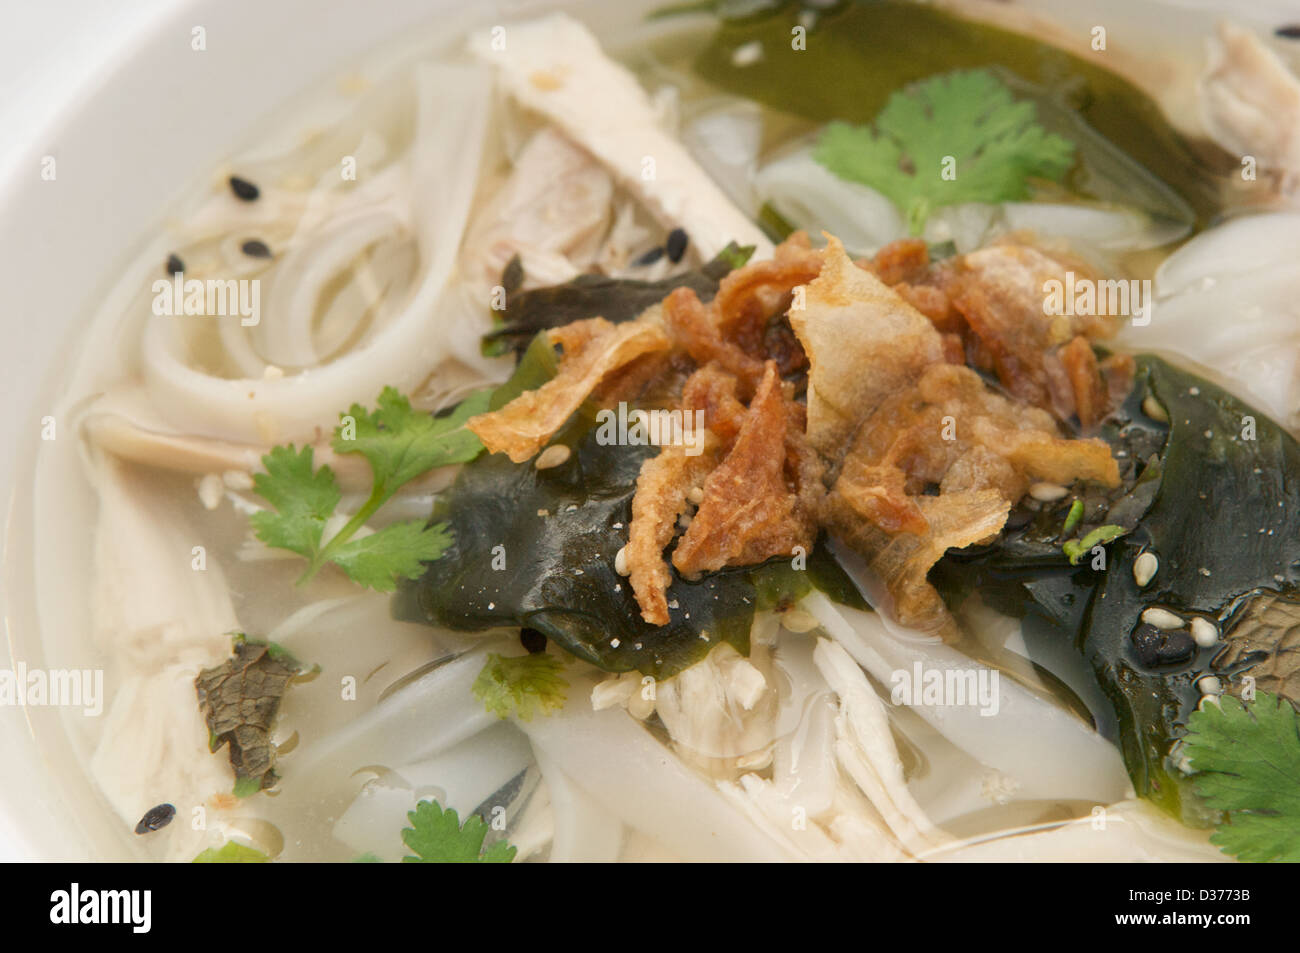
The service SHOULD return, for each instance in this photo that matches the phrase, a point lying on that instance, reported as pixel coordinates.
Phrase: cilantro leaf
(400, 444)
(437, 837)
(231, 853)
(1248, 764)
(521, 685)
(969, 117)
(396, 551)
(303, 498)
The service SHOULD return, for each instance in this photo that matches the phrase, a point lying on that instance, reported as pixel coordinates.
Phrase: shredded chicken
(1250, 103)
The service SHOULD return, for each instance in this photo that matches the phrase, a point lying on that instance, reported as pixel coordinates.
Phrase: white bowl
(128, 148)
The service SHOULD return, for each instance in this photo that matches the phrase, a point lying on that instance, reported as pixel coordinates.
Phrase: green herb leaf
(1076, 549)
(239, 699)
(395, 552)
(1248, 763)
(304, 498)
(231, 853)
(521, 685)
(437, 837)
(1072, 518)
(967, 121)
(400, 444)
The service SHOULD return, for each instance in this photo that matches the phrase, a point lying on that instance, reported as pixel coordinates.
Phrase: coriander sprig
(953, 138)
(1247, 759)
(400, 444)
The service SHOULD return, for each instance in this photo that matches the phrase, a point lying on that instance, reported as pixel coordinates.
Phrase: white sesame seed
(620, 561)
(748, 54)
(1210, 685)
(552, 456)
(1204, 632)
(798, 620)
(211, 490)
(237, 480)
(1154, 409)
(1162, 619)
(1048, 492)
(1145, 568)
(696, 495)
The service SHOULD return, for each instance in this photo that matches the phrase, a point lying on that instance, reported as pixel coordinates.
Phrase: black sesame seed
(255, 248)
(174, 264)
(1290, 32)
(244, 189)
(1177, 648)
(155, 819)
(650, 257)
(532, 640)
(1146, 642)
(677, 242)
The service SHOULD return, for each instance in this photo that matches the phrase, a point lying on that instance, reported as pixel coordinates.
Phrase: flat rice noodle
(592, 349)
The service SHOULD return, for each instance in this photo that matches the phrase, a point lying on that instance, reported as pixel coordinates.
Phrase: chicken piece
(555, 66)
(1250, 103)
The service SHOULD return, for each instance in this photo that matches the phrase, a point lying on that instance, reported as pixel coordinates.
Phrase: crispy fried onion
(736, 329)
(591, 350)
(759, 486)
(1001, 292)
(980, 451)
(864, 343)
(761, 500)
(662, 491)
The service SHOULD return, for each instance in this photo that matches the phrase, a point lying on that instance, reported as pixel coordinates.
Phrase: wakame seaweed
(1214, 496)
(536, 548)
(858, 53)
(587, 296)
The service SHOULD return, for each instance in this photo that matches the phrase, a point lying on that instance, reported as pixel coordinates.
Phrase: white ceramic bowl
(127, 147)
